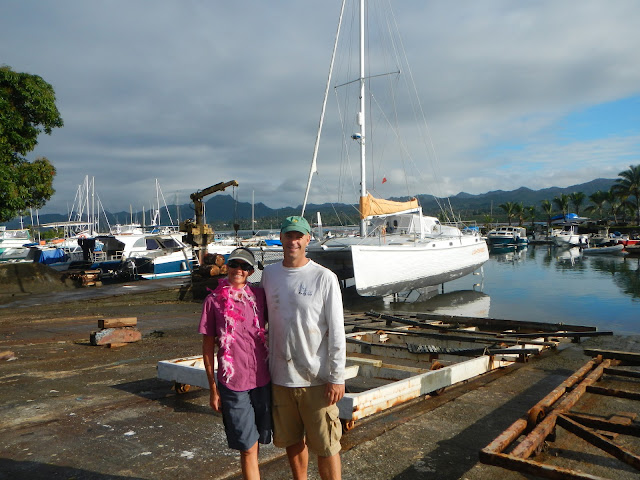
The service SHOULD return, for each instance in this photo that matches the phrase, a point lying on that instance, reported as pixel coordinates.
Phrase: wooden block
(117, 345)
(115, 335)
(7, 355)
(118, 322)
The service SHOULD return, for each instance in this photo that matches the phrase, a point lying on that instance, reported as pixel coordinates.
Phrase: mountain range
(223, 211)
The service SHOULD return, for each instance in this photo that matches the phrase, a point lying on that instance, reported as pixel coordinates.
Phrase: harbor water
(538, 283)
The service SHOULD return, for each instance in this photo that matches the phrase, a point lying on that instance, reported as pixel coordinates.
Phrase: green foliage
(27, 108)
(509, 208)
(577, 199)
(629, 186)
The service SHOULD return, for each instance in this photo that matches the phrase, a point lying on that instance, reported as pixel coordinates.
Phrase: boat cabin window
(152, 244)
(170, 243)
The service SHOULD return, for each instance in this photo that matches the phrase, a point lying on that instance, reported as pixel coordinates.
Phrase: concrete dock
(72, 410)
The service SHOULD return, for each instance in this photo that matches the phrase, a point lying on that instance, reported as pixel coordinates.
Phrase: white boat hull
(383, 270)
(568, 240)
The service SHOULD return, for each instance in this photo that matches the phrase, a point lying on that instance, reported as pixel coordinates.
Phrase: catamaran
(398, 248)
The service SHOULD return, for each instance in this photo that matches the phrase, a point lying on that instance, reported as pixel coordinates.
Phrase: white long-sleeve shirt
(307, 344)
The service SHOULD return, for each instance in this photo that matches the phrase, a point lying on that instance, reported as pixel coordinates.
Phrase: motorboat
(507, 235)
(148, 256)
(12, 243)
(568, 235)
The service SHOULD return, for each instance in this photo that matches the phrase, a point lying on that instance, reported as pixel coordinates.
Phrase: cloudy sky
(194, 92)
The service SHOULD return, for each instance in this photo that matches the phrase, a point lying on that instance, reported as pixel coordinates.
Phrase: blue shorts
(246, 416)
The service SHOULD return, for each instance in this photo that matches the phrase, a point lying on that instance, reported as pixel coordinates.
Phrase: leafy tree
(577, 199)
(27, 108)
(509, 208)
(547, 208)
(630, 185)
(562, 202)
(518, 210)
(531, 213)
(598, 199)
(615, 205)
(487, 220)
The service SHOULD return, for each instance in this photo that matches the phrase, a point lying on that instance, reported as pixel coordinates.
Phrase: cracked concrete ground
(72, 410)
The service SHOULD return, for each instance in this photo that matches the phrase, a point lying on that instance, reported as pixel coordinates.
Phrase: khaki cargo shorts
(303, 411)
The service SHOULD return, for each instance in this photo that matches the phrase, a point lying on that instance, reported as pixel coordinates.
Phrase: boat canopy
(371, 206)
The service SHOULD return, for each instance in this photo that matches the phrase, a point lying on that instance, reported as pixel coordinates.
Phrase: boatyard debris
(599, 430)
(116, 332)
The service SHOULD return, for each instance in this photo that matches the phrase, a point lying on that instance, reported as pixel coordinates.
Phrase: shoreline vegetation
(606, 202)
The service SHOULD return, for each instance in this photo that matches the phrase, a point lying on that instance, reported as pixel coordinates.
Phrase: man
(307, 352)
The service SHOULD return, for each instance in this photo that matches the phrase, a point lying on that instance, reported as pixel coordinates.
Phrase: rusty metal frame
(554, 410)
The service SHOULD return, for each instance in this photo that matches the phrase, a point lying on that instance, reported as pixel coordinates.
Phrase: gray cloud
(193, 93)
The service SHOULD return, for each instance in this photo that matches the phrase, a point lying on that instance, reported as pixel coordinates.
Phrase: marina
(478, 345)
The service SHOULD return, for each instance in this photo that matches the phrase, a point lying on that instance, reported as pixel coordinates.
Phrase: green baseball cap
(295, 224)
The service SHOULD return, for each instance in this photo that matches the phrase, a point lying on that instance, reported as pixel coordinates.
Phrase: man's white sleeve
(337, 341)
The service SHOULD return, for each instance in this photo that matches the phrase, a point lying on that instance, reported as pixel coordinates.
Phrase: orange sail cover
(370, 206)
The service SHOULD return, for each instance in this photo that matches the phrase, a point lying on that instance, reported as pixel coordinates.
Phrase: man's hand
(334, 392)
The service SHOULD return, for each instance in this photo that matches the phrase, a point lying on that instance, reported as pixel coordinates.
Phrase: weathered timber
(117, 322)
(115, 335)
(7, 355)
(538, 427)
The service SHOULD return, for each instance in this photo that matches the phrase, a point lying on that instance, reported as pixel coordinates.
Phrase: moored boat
(12, 243)
(617, 249)
(398, 247)
(507, 235)
(569, 236)
(633, 249)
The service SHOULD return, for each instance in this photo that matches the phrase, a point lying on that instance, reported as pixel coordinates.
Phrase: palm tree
(518, 211)
(598, 199)
(547, 208)
(562, 202)
(577, 199)
(508, 207)
(630, 184)
(615, 205)
(531, 214)
(487, 221)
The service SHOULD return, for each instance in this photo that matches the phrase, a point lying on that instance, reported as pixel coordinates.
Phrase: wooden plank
(7, 355)
(115, 335)
(117, 322)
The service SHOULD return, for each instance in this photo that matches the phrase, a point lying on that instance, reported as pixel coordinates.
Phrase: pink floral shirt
(236, 317)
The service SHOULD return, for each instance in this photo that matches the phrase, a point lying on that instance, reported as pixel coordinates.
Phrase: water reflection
(471, 303)
(625, 272)
(568, 256)
(510, 254)
(539, 283)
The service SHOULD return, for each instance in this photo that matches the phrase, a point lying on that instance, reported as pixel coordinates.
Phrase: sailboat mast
(361, 122)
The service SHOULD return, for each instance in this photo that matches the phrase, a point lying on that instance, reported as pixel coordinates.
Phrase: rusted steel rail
(450, 351)
(504, 324)
(554, 410)
(509, 329)
(476, 337)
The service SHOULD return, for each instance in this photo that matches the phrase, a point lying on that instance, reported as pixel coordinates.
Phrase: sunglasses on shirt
(241, 265)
